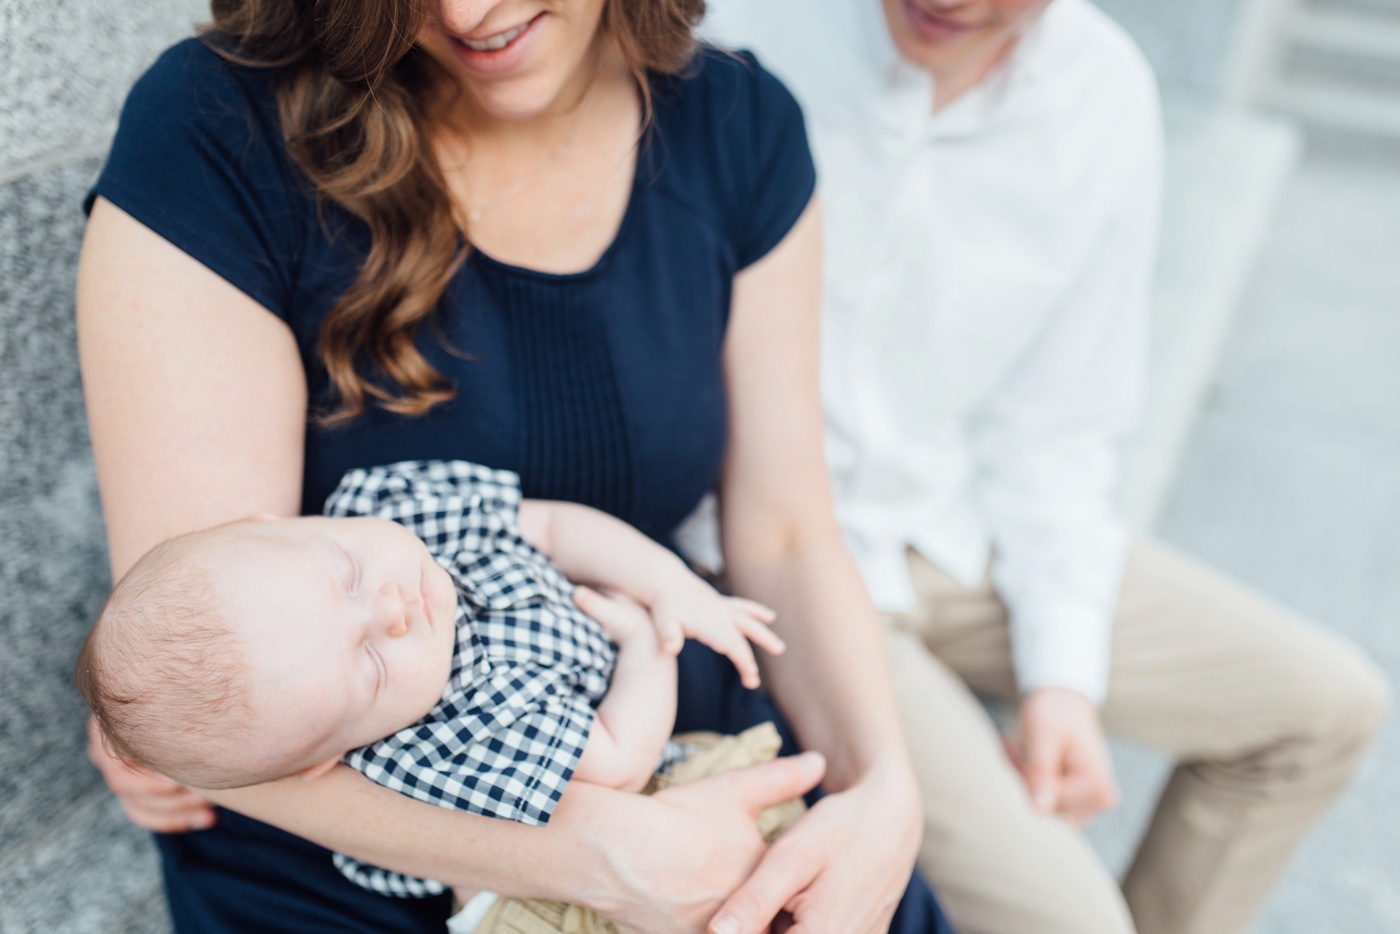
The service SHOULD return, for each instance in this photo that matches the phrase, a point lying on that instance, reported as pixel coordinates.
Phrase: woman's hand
(842, 869)
(151, 801)
(690, 846)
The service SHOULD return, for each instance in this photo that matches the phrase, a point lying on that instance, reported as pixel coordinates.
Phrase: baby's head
(268, 647)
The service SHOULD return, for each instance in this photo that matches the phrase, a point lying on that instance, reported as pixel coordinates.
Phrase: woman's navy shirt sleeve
(781, 177)
(737, 134)
(199, 159)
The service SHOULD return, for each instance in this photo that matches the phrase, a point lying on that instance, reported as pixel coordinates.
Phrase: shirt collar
(904, 103)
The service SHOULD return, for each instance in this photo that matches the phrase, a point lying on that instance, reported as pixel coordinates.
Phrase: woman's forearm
(614, 852)
(346, 812)
(833, 681)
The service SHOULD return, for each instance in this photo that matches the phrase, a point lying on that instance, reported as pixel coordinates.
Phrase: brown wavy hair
(352, 91)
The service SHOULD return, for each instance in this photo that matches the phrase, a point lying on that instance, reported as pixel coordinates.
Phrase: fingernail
(727, 924)
(203, 822)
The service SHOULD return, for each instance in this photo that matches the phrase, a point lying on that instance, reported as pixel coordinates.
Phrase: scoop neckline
(479, 255)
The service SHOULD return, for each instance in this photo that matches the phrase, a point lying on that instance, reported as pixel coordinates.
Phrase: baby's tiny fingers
(617, 615)
(761, 635)
(669, 634)
(742, 656)
(755, 609)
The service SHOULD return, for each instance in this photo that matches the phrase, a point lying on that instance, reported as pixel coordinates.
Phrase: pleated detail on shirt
(573, 438)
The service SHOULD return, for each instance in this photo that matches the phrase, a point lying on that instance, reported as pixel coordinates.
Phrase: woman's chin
(516, 101)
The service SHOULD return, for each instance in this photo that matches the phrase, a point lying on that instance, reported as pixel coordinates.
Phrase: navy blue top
(601, 387)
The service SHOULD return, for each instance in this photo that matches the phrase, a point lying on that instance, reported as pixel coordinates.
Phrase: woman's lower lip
(932, 28)
(498, 60)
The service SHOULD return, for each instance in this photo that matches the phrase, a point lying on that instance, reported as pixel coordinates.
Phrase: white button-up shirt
(986, 307)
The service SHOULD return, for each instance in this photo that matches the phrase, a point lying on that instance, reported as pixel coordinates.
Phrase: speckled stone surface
(1292, 484)
(52, 558)
(148, 916)
(92, 872)
(65, 66)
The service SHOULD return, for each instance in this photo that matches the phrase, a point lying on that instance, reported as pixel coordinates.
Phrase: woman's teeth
(498, 41)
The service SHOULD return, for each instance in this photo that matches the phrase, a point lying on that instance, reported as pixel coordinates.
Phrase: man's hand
(1063, 757)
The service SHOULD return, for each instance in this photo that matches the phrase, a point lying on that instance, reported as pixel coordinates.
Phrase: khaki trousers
(1266, 715)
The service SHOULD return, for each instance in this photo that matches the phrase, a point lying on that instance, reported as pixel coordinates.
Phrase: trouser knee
(1349, 707)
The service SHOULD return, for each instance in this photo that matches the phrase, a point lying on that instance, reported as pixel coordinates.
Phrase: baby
(441, 653)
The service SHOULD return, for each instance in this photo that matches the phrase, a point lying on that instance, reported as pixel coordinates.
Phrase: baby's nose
(395, 608)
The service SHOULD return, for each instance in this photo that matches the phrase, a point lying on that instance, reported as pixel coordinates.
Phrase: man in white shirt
(990, 172)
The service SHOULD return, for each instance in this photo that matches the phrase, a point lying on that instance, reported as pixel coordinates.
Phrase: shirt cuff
(1062, 644)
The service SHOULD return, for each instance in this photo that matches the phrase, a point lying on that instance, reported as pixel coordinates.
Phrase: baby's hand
(689, 607)
(623, 619)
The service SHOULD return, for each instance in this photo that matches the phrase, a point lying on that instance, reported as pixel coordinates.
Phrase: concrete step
(1325, 105)
(1389, 8)
(1341, 49)
(1224, 173)
(1345, 31)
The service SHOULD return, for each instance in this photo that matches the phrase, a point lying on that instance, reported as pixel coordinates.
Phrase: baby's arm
(592, 547)
(631, 725)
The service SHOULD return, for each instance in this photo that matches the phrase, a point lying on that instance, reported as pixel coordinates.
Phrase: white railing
(1273, 33)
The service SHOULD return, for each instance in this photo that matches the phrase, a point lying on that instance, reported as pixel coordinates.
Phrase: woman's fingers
(151, 800)
(763, 786)
(783, 873)
(195, 818)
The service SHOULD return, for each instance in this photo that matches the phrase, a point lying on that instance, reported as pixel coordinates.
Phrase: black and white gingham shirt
(528, 670)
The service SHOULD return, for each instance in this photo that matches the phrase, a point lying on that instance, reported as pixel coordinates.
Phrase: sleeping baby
(424, 632)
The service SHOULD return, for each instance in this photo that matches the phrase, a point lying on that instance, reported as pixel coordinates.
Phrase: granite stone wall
(68, 859)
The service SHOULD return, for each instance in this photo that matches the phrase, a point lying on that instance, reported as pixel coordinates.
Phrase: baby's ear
(319, 769)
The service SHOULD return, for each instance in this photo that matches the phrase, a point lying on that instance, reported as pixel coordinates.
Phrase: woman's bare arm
(843, 868)
(197, 404)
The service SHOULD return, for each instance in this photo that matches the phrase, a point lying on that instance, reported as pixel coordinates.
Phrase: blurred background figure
(1271, 446)
(991, 172)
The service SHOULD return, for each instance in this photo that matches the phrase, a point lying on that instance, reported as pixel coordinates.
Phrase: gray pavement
(1291, 483)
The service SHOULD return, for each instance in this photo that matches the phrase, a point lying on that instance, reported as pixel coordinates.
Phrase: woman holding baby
(542, 235)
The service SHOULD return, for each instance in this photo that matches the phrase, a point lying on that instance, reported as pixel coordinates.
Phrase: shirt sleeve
(198, 158)
(1047, 446)
(779, 176)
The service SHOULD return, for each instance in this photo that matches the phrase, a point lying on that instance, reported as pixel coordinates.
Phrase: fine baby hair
(164, 672)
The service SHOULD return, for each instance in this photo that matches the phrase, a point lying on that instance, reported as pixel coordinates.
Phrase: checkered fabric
(529, 667)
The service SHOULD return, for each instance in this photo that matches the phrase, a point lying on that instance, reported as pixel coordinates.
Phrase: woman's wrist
(589, 829)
